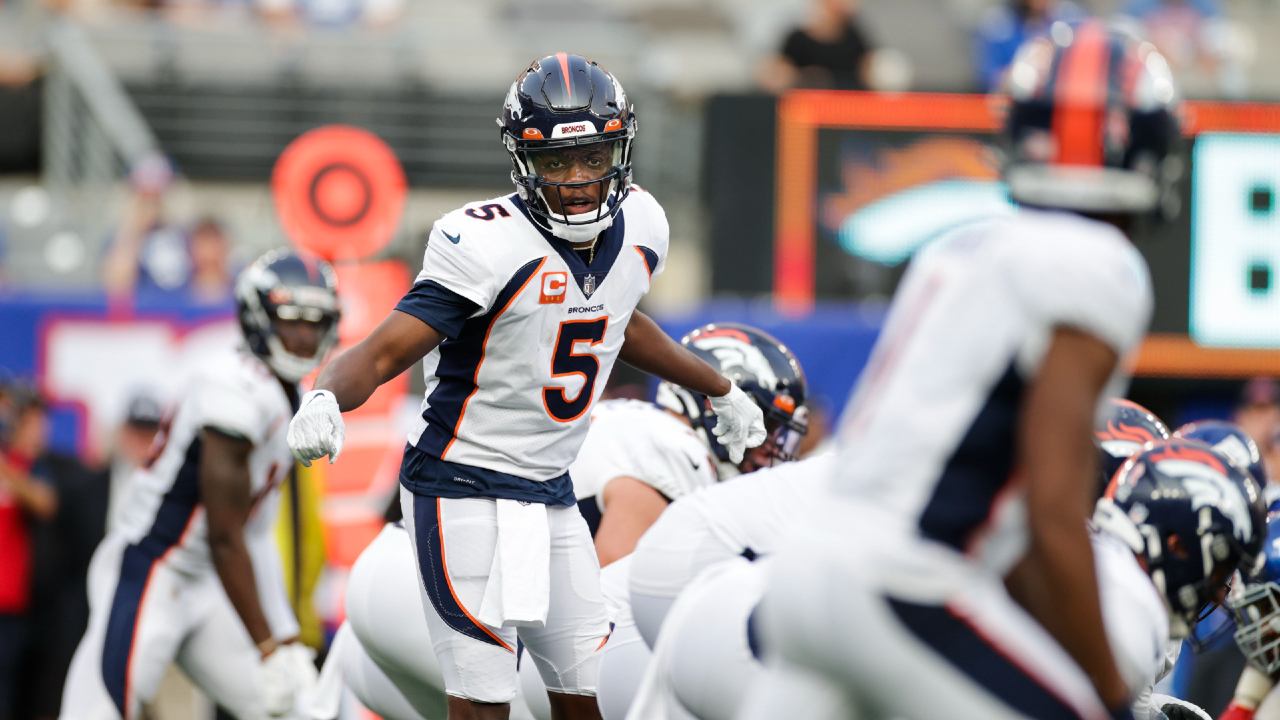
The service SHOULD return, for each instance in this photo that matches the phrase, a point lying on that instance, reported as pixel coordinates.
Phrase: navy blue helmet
(1092, 123)
(1230, 440)
(766, 370)
(568, 101)
(287, 285)
(1193, 516)
(1126, 429)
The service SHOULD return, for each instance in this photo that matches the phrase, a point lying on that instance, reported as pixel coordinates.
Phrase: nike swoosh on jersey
(455, 239)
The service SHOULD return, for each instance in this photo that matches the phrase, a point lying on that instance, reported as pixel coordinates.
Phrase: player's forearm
(352, 377)
(394, 346)
(1057, 585)
(37, 499)
(235, 570)
(650, 350)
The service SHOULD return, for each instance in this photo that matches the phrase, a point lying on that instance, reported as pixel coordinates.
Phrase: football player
(706, 661)
(639, 456)
(633, 450)
(1256, 608)
(969, 434)
(191, 573)
(523, 304)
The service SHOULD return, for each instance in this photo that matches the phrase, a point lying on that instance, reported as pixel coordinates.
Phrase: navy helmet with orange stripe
(767, 371)
(1092, 123)
(1193, 516)
(1124, 429)
(287, 285)
(1230, 440)
(560, 102)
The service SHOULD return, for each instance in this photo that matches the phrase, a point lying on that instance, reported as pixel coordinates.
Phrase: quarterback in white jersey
(630, 443)
(969, 433)
(191, 573)
(522, 307)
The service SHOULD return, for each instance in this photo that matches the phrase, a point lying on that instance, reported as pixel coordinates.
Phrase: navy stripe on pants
(970, 653)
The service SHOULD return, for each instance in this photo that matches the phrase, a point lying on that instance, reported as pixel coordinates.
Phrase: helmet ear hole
(1175, 547)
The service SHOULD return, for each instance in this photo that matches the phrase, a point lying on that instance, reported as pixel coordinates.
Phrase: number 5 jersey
(533, 328)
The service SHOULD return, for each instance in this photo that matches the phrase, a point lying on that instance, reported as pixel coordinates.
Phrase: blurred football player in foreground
(191, 573)
(958, 556)
(706, 663)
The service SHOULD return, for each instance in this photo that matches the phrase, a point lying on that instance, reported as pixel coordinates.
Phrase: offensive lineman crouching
(522, 306)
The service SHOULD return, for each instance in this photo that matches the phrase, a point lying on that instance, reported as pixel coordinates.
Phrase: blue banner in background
(832, 344)
(25, 319)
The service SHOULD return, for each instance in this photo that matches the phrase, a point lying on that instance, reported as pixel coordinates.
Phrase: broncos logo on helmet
(1125, 428)
(1230, 440)
(1193, 516)
(767, 371)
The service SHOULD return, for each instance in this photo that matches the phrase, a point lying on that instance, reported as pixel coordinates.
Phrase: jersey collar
(589, 277)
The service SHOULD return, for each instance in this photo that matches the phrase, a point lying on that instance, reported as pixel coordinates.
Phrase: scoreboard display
(863, 180)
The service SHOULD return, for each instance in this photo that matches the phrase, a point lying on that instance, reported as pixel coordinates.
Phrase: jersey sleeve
(633, 445)
(436, 305)
(657, 239)
(227, 403)
(455, 261)
(1085, 275)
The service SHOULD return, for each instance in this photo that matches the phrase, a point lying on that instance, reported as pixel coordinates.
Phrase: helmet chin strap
(578, 233)
(288, 366)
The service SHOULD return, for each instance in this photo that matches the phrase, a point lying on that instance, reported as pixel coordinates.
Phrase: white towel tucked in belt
(518, 593)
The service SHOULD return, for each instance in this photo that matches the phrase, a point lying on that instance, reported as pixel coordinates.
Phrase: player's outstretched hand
(317, 429)
(288, 674)
(741, 423)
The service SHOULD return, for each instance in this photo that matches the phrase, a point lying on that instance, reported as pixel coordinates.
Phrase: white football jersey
(640, 440)
(162, 513)
(1135, 618)
(758, 510)
(930, 432)
(511, 394)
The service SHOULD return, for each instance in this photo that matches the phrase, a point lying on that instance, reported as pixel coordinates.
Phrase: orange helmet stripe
(564, 69)
(1080, 97)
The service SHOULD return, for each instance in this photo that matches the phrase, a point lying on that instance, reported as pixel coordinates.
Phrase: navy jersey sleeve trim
(436, 305)
(650, 258)
(171, 522)
(459, 367)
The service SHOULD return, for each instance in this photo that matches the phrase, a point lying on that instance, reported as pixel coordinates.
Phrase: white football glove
(317, 430)
(288, 675)
(741, 423)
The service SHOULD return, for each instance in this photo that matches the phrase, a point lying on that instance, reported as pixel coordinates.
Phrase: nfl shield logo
(588, 285)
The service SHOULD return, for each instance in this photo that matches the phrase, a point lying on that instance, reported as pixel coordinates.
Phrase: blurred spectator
(23, 498)
(829, 51)
(62, 548)
(1258, 413)
(1007, 26)
(1200, 45)
(151, 259)
(132, 447)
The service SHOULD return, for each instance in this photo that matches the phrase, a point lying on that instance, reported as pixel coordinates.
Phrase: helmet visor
(575, 164)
